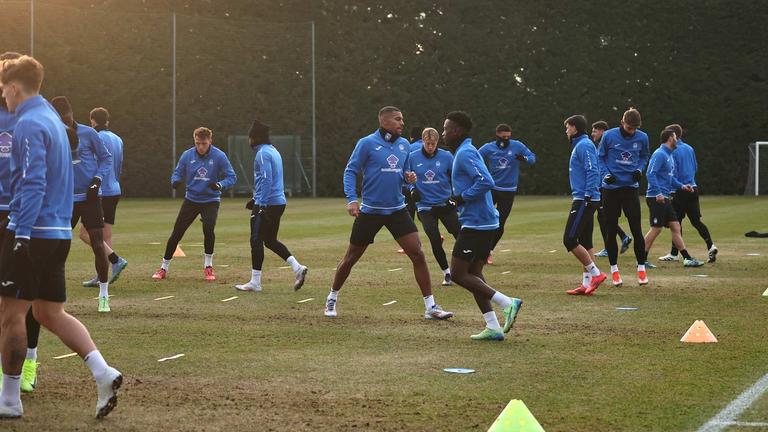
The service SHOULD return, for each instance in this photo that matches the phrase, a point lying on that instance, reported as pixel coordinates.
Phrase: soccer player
(502, 156)
(471, 186)
(686, 203)
(598, 129)
(381, 157)
(431, 191)
(622, 156)
(661, 182)
(92, 161)
(110, 191)
(267, 207)
(7, 125)
(36, 245)
(584, 176)
(206, 172)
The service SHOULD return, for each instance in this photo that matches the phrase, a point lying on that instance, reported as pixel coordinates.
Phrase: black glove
(520, 157)
(587, 199)
(415, 195)
(609, 179)
(93, 189)
(176, 184)
(636, 175)
(455, 201)
(249, 204)
(215, 186)
(21, 250)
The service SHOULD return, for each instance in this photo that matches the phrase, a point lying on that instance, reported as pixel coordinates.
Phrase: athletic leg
(429, 222)
(411, 244)
(631, 207)
(611, 209)
(504, 202)
(187, 214)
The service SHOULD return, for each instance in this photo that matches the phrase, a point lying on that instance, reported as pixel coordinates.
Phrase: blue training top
(503, 163)
(583, 173)
(42, 177)
(381, 162)
(268, 188)
(110, 185)
(200, 171)
(472, 181)
(685, 163)
(661, 173)
(621, 156)
(92, 159)
(7, 124)
(433, 177)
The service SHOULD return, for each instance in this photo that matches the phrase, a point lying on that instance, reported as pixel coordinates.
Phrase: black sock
(709, 243)
(685, 254)
(113, 258)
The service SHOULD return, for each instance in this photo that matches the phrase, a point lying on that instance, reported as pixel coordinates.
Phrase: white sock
(334, 295)
(11, 393)
(429, 302)
(295, 266)
(208, 261)
(446, 271)
(491, 321)
(31, 353)
(256, 277)
(501, 300)
(614, 268)
(586, 279)
(103, 289)
(165, 264)
(96, 363)
(592, 269)
(641, 267)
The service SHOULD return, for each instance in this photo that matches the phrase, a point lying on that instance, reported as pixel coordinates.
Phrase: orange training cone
(698, 333)
(179, 253)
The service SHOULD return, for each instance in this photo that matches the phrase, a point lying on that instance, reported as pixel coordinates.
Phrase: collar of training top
(577, 137)
(388, 136)
(207, 152)
(428, 156)
(624, 133)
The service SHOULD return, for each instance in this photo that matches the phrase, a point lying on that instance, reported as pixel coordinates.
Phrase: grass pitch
(265, 362)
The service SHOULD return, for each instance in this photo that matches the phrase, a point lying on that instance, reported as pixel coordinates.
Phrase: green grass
(265, 362)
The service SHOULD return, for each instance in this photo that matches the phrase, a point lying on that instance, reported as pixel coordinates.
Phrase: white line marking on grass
(153, 243)
(506, 272)
(65, 356)
(553, 251)
(285, 267)
(734, 409)
(229, 299)
(701, 275)
(389, 303)
(173, 357)
(753, 254)
(744, 424)
(164, 298)
(305, 300)
(222, 265)
(395, 269)
(506, 250)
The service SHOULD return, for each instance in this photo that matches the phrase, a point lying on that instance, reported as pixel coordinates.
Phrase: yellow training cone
(179, 253)
(698, 333)
(516, 418)
(765, 294)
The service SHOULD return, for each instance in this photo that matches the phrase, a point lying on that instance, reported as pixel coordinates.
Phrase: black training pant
(503, 201)
(614, 202)
(601, 221)
(429, 220)
(208, 212)
(264, 228)
(687, 204)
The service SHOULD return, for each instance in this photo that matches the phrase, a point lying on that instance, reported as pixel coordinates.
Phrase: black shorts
(90, 212)
(474, 245)
(579, 226)
(42, 277)
(109, 207)
(687, 204)
(264, 227)
(367, 225)
(661, 213)
(3, 221)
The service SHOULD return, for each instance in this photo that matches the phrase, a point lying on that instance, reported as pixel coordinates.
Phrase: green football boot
(488, 334)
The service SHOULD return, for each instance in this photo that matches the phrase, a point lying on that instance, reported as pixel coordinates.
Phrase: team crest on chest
(6, 141)
(392, 161)
(503, 163)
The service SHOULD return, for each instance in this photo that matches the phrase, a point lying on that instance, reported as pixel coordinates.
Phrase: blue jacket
(42, 178)
(7, 124)
(381, 164)
(471, 179)
(583, 172)
(622, 156)
(110, 185)
(685, 163)
(92, 159)
(200, 171)
(268, 186)
(433, 177)
(661, 173)
(503, 165)
(416, 145)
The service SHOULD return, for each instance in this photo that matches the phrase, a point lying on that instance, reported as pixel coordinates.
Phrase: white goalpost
(753, 179)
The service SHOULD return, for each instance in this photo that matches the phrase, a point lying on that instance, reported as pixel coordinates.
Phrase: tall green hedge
(528, 63)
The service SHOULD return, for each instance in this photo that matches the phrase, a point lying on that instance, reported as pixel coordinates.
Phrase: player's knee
(416, 256)
(570, 243)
